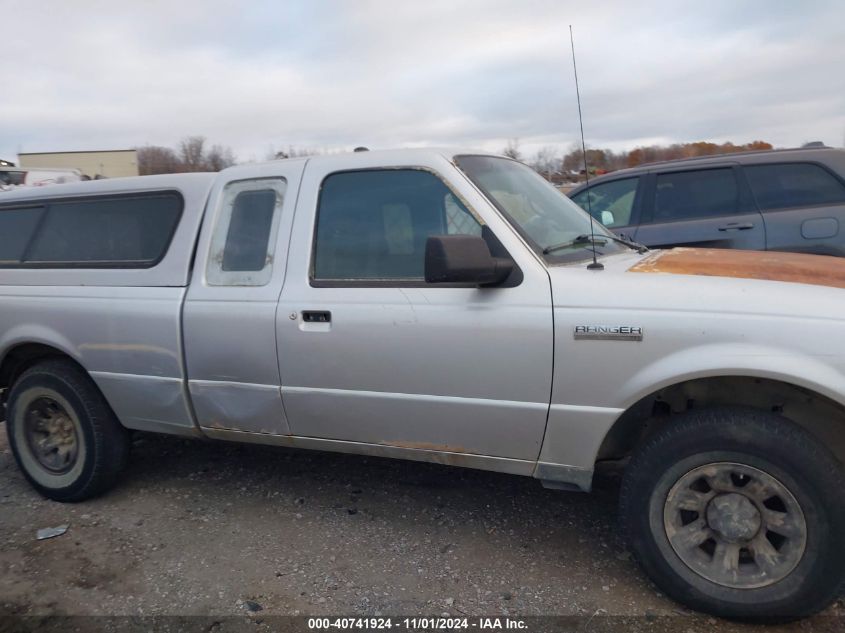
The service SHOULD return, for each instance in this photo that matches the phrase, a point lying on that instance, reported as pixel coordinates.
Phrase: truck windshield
(554, 225)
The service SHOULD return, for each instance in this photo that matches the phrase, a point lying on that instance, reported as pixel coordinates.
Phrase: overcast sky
(257, 76)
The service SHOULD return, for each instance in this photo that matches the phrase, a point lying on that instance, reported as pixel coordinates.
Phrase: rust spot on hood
(818, 270)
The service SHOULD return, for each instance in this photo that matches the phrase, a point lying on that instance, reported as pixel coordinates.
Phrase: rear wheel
(63, 434)
(739, 513)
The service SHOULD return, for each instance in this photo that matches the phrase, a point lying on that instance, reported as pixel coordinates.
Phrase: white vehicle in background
(11, 177)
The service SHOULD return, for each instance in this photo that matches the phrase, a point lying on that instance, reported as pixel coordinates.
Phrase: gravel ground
(204, 528)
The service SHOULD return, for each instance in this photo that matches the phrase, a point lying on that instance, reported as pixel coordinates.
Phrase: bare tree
(599, 161)
(546, 162)
(573, 161)
(190, 156)
(192, 153)
(154, 159)
(218, 158)
(512, 149)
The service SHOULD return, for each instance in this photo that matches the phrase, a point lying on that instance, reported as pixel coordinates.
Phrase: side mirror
(463, 259)
(607, 218)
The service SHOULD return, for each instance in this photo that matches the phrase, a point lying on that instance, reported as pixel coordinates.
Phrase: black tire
(101, 444)
(737, 440)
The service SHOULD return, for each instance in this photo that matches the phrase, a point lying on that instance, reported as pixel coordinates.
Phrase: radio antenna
(595, 265)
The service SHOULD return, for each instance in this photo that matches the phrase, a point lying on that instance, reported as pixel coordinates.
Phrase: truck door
(230, 309)
(707, 208)
(371, 353)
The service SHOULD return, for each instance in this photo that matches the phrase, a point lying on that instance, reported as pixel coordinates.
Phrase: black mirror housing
(464, 259)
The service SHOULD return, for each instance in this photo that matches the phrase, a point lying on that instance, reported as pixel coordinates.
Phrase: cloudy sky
(264, 75)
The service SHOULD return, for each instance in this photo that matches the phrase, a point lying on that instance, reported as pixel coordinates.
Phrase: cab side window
(690, 195)
(374, 224)
(793, 185)
(610, 203)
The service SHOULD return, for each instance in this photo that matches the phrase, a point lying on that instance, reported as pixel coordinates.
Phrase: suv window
(793, 185)
(688, 195)
(103, 232)
(243, 242)
(374, 224)
(611, 203)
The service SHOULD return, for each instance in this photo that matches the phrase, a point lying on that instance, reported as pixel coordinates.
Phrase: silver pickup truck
(440, 306)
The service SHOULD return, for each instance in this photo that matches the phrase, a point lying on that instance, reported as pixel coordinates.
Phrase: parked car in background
(780, 200)
(17, 176)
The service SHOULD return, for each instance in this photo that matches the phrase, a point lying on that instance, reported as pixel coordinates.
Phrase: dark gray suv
(782, 200)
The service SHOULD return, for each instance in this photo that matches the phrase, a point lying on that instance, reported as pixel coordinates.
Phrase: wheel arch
(17, 358)
(804, 405)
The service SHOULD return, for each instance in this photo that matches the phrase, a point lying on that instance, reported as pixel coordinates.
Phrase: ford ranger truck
(444, 306)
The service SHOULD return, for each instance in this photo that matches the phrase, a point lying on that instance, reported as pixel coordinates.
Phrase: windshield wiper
(594, 240)
(640, 248)
(582, 239)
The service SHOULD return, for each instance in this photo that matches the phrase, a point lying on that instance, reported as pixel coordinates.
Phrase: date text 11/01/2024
(417, 624)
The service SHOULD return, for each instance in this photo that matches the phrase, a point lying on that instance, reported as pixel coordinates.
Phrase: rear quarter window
(244, 238)
(110, 231)
(788, 185)
(249, 231)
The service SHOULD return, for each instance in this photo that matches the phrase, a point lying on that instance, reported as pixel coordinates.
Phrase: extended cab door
(371, 353)
(230, 311)
(702, 207)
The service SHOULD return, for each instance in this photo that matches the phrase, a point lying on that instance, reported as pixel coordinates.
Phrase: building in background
(106, 163)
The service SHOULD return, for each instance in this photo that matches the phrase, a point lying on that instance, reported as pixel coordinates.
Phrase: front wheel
(739, 513)
(63, 434)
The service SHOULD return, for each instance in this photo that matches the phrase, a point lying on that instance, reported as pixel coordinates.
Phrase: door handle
(316, 316)
(736, 226)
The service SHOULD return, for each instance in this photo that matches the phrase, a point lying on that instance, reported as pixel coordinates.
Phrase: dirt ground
(204, 528)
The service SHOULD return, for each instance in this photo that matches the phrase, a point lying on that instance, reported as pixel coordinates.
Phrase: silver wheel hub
(735, 525)
(51, 434)
(734, 517)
